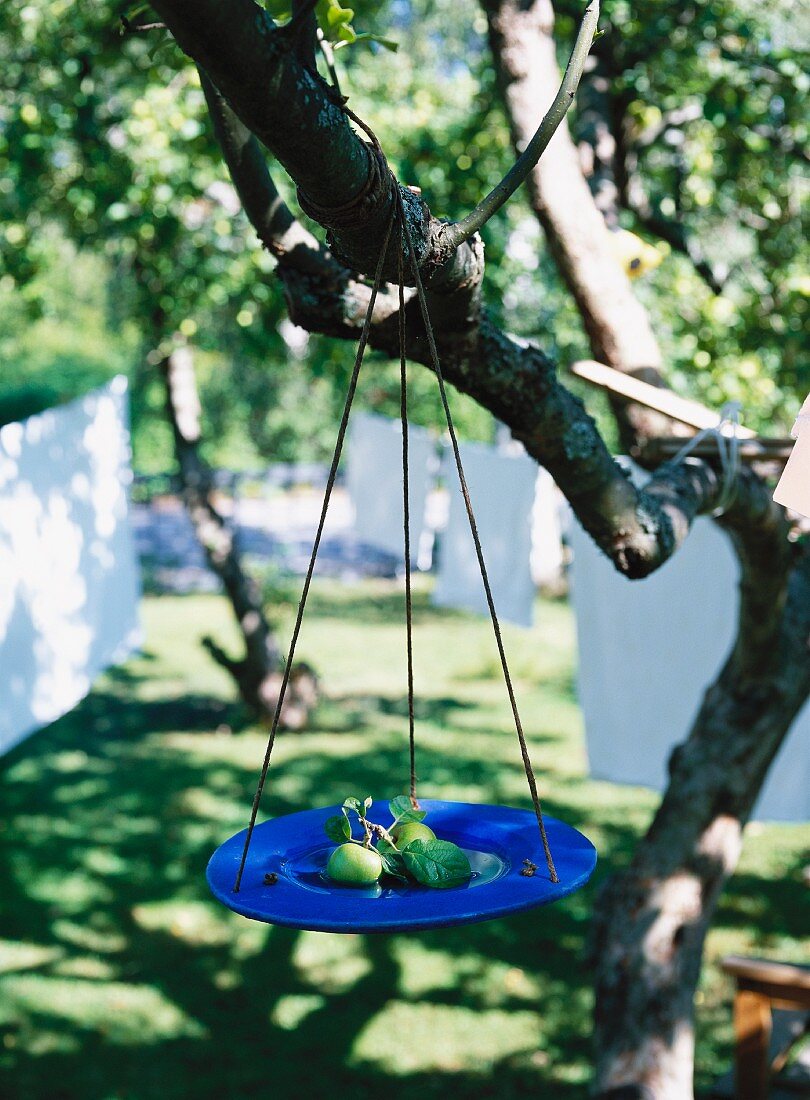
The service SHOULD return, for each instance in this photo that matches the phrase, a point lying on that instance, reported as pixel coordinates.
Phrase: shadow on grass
(384, 605)
(107, 832)
(120, 976)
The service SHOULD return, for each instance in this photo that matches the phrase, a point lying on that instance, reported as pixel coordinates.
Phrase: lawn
(120, 979)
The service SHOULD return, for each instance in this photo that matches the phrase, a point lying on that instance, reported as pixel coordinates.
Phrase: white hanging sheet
(547, 549)
(647, 652)
(69, 582)
(502, 489)
(793, 490)
(374, 481)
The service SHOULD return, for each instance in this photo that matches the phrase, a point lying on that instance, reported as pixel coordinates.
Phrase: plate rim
(344, 909)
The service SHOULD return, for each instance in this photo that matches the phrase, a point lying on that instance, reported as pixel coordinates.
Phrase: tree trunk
(651, 919)
(257, 674)
(655, 914)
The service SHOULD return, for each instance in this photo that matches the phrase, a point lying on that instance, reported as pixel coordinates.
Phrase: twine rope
(406, 513)
(405, 245)
(728, 448)
(330, 484)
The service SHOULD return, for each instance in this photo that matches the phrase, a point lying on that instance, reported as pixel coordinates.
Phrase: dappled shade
(120, 972)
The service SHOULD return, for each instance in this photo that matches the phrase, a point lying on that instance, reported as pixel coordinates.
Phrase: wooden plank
(752, 1031)
(749, 450)
(766, 970)
(691, 413)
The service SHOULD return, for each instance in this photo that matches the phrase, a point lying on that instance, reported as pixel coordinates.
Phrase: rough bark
(652, 919)
(258, 674)
(637, 529)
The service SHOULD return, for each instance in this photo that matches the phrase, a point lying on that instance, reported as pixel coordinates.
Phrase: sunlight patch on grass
(333, 964)
(72, 891)
(101, 941)
(137, 1014)
(481, 981)
(292, 1010)
(208, 805)
(194, 922)
(85, 966)
(422, 1038)
(16, 955)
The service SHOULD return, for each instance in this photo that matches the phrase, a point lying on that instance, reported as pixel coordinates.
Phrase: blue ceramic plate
(497, 839)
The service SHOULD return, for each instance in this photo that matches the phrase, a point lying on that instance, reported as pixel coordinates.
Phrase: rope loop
(728, 448)
(353, 214)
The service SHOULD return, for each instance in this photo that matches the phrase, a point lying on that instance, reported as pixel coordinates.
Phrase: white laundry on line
(502, 490)
(69, 583)
(647, 652)
(374, 481)
(547, 562)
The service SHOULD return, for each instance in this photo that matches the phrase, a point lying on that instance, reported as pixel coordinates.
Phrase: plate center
(308, 869)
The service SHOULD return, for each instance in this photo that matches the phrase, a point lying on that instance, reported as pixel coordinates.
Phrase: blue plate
(497, 840)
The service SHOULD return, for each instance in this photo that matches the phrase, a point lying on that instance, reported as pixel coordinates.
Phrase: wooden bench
(761, 987)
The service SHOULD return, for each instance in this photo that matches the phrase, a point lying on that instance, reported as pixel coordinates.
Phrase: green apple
(411, 830)
(354, 865)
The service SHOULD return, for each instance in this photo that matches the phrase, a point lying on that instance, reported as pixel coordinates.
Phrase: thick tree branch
(637, 529)
(298, 118)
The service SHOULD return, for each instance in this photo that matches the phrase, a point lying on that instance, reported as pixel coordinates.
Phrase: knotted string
(728, 448)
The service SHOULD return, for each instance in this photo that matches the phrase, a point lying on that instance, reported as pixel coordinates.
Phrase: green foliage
(105, 137)
(335, 22)
(731, 176)
(338, 829)
(436, 863)
(402, 811)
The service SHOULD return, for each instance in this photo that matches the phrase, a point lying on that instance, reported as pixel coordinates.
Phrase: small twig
(459, 232)
(140, 28)
(328, 55)
(372, 827)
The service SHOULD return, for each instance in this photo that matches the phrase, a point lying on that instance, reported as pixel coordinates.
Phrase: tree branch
(461, 231)
(637, 529)
(679, 239)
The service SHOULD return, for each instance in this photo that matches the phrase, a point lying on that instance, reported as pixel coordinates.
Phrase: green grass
(120, 979)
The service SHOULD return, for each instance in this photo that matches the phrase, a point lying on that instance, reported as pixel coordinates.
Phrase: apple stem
(370, 828)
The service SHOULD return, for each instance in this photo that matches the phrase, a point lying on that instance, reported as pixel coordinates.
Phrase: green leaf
(366, 806)
(353, 804)
(436, 863)
(392, 864)
(133, 13)
(367, 36)
(401, 810)
(337, 828)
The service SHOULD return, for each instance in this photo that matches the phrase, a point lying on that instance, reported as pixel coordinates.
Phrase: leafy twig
(459, 232)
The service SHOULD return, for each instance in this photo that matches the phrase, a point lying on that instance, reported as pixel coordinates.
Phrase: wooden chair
(762, 986)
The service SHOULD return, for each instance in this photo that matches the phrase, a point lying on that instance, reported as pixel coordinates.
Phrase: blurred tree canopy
(119, 231)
